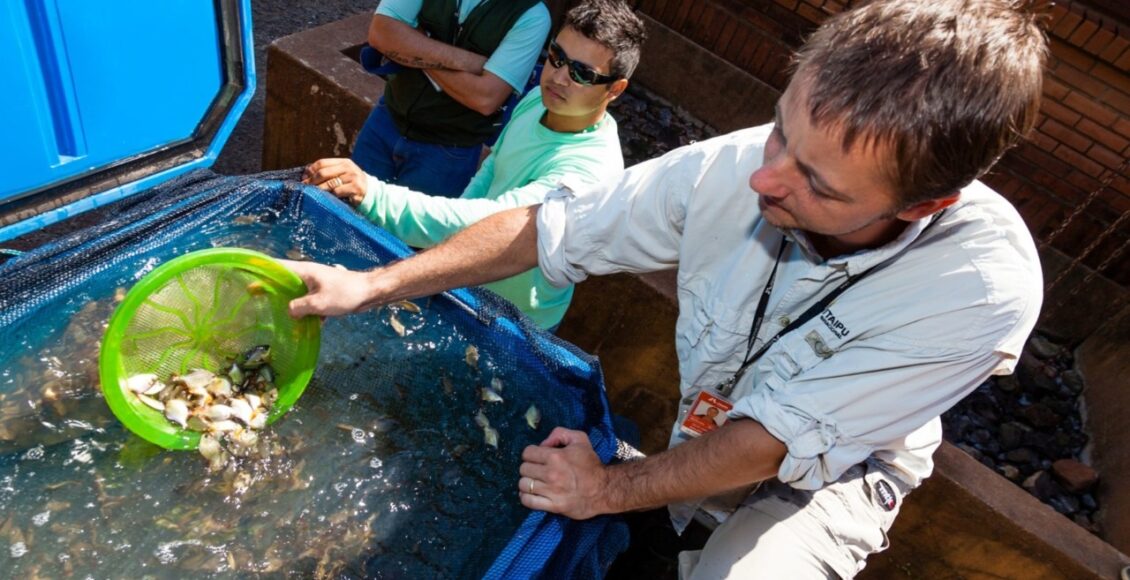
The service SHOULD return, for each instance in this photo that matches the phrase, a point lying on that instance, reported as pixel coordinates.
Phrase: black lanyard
(726, 387)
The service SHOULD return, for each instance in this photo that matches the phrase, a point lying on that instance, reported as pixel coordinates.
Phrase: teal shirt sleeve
(405, 11)
(516, 56)
(423, 221)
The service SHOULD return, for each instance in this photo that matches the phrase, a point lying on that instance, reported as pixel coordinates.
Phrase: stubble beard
(776, 216)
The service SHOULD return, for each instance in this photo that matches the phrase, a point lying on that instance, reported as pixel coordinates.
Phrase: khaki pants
(781, 532)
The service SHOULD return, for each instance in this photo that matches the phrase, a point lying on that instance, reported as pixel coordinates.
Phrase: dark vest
(423, 114)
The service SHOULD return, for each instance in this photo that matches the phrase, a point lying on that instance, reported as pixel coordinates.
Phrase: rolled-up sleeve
(828, 430)
(634, 224)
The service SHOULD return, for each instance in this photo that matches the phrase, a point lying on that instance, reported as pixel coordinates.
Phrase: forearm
(423, 221)
(410, 47)
(483, 93)
(500, 246)
(737, 455)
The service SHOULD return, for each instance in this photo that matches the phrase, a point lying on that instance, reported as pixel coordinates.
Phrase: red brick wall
(1082, 138)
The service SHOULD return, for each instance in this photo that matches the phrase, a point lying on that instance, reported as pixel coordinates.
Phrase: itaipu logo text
(834, 325)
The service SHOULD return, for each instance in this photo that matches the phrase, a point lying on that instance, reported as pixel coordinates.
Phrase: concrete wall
(317, 95)
(966, 521)
(1105, 366)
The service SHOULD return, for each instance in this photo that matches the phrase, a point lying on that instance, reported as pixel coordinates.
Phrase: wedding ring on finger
(335, 183)
(531, 492)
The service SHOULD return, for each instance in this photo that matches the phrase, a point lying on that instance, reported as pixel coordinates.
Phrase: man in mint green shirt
(559, 135)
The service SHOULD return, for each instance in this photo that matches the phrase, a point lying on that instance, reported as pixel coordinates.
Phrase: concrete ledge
(1104, 361)
(968, 522)
(965, 521)
(318, 97)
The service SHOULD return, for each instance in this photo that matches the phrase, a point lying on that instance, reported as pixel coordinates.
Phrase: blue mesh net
(44, 290)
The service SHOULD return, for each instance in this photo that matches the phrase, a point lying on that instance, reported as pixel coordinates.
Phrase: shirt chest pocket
(712, 338)
(794, 354)
(693, 327)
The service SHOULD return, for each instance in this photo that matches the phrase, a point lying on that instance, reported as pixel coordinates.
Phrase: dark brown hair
(614, 25)
(946, 86)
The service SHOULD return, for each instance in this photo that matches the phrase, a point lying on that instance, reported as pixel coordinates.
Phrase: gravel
(270, 20)
(1029, 428)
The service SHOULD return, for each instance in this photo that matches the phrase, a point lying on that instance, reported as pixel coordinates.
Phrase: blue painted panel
(144, 72)
(35, 119)
(23, 105)
(97, 82)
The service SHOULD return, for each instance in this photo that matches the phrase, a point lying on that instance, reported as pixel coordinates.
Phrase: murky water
(380, 469)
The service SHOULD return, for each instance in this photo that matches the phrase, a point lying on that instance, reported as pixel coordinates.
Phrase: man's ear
(929, 207)
(617, 88)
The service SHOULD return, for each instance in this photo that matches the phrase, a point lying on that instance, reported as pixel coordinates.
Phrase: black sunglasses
(578, 71)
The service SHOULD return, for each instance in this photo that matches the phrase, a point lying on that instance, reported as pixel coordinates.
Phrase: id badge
(706, 414)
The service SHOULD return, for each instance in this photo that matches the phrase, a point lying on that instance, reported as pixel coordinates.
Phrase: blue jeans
(432, 169)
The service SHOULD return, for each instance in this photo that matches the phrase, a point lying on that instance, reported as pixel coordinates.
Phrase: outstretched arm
(568, 478)
(422, 220)
(497, 247)
(410, 47)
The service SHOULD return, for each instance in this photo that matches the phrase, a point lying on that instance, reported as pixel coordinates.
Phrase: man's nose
(559, 75)
(770, 179)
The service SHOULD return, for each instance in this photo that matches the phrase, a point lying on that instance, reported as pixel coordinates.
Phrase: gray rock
(1062, 440)
(1060, 407)
(1035, 376)
(1045, 444)
(1064, 504)
(972, 451)
(1039, 415)
(1040, 484)
(1010, 472)
(1072, 380)
(986, 409)
(1023, 456)
(959, 427)
(1043, 348)
(1008, 383)
(1012, 435)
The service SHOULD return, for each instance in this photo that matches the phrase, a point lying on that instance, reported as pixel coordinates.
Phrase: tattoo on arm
(412, 61)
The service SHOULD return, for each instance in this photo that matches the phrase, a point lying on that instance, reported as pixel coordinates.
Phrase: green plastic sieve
(203, 310)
